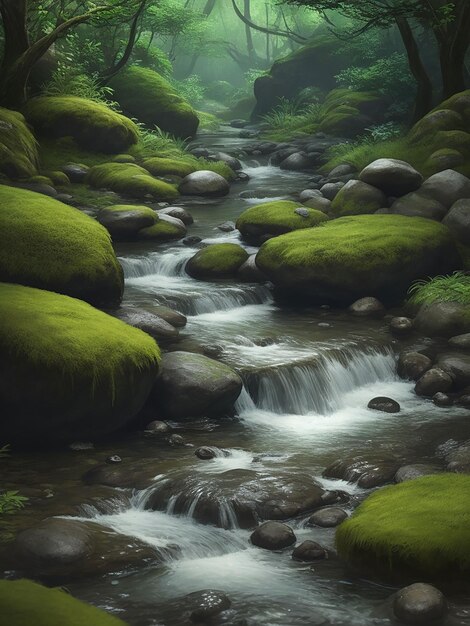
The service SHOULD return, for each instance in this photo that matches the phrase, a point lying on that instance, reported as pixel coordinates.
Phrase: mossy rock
(444, 159)
(47, 244)
(419, 528)
(166, 228)
(124, 221)
(18, 146)
(58, 178)
(92, 125)
(353, 257)
(25, 603)
(158, 166)
(454, 139)
(70, 372)
(41, 180)
(220, 260)
(150, 98)
(358, 198)
(130, 180)
(271, 219)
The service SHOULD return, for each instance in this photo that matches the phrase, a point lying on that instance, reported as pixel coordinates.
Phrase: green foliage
(421, 527)
(158, 142)
(25, 603)
(94, 126)
(452, 288)
(11, 501)
(18, 146)
(130, 180)
(191, 89)
(67, 82)
(50, 245)
(152, 57)
(208, 121)
(293, 116)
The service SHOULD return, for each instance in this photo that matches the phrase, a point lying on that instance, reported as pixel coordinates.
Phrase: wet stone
(401, 326)
(192, 240)
(416, 470)
(442, 399)
(419, 604)
(367, 472)
(206, 453)
(412, 365)
(157, 428)
(328, 517)
(386, 405)
(176, 440)
(115, 458)
(273, 536)
(207, 604)
(309, 551)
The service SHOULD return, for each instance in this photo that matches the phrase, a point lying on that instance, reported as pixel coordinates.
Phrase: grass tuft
(451, 288)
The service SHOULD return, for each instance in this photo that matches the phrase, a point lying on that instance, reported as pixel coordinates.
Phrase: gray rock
(419, 604)
(76, 172)
(341, 170)
(249, 272)
(331, 190)
(367, 307)
(178, 212)
(125, 225)
(297, 162)
(457, 221)
(204, 183)
(367, 472)
(457, 365)
(151, 324)
(458, 459)
(319, 203)
(392, 176)
(443, 319)
(433, 381)
(207, 604)
(192, 240)
(302, 212)
(231, 161)
(176, 440)
(192, 385)
(415, 470)
(309, 551)
(157, 428)
(446, 187)
(205, 453)
(358, 198)
(169, 315)
(416, 204)
(442, 400)
(401, 326)
(306, 194)
(328, 517)
(42, 188)
(412, 365)
(386, 405)
(273, 536)
(462, 342)
(227, 227)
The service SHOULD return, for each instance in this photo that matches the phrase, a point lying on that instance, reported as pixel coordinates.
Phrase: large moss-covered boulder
(68, 371)
(24, 603)
(220, 260)
(18, 147)
(358, 198)
(358, 256)
(92, 125)
(419, 528)
(130, 180)
(192, 385)
(124, 221)
(159, 166)
(270, 219)
(347, 113)
(47, 244)
(150, 98)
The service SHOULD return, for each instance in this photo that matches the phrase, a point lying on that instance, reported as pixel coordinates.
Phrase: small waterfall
(318, 387)
(169, 263)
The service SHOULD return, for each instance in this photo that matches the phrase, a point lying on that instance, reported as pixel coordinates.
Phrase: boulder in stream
(273, 536)
(386, 405)
(309, 551)
(219, 260)
(204, 183)
(419, 603)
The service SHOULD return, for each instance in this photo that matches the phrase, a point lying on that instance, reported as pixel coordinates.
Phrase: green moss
(420, 526)
(18, 147)
(351, 257)
(130, 180)
(92, 125)
(162, 231)
(25, 603)
(54, 154)
(220, 260)
(219, 167)
(86, 373)
(452, 288)
(50, 245)
(41, 180)
(208, 121)
(58, 178)
(150, 98)
(454, 139)
(124, 158)
(126, 208)
(276, 218)
(353, 100)
(161, 167)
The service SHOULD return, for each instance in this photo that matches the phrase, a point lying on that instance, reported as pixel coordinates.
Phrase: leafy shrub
(10, 501)
(152, 57)
(293, 115)
(191, 89)
(67, 82)
(159, 142)
(386, 75)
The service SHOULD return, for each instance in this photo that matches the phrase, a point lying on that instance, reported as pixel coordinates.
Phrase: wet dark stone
(192, 240)
(433, 381)
(309, 551)
(416, 470)
(464, 401)
(176, 440)
(442, 399)
(367, 307)
(242, 177)
(386, 405)
(115, 458)
(206, 453)
(122, 475)
(367, 472)
(157, 428)
(419, 604)
(412, 365)
(227, 227)
(76, 172)
(204, 605)
(401, 326)
(328, 517)
(273, 536)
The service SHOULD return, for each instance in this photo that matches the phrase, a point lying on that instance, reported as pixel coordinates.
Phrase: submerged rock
(419, 603)
(367, 307)
(207, 604)
(386, 405)
(367, 472)
(328, 517)
(309, 551)
(273, 536)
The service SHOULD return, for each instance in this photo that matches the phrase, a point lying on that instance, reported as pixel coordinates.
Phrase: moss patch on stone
(276, 218)
(162, 231)
(220, 260)
(70, 371)
(18, 146)
(50, 245)
(420, 527)
(130, 180)
(159, 166)
(150, 98)
(364, 255)
(25, 603)
(92, 125)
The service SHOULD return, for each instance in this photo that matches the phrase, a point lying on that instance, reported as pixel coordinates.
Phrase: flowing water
(308, 376)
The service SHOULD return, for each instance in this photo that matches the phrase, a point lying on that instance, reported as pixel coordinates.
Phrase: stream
(308, 376)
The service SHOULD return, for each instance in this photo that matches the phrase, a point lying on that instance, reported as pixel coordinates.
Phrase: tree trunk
(453, 39)
(249, 37)
(13, 13)
(423, 99)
